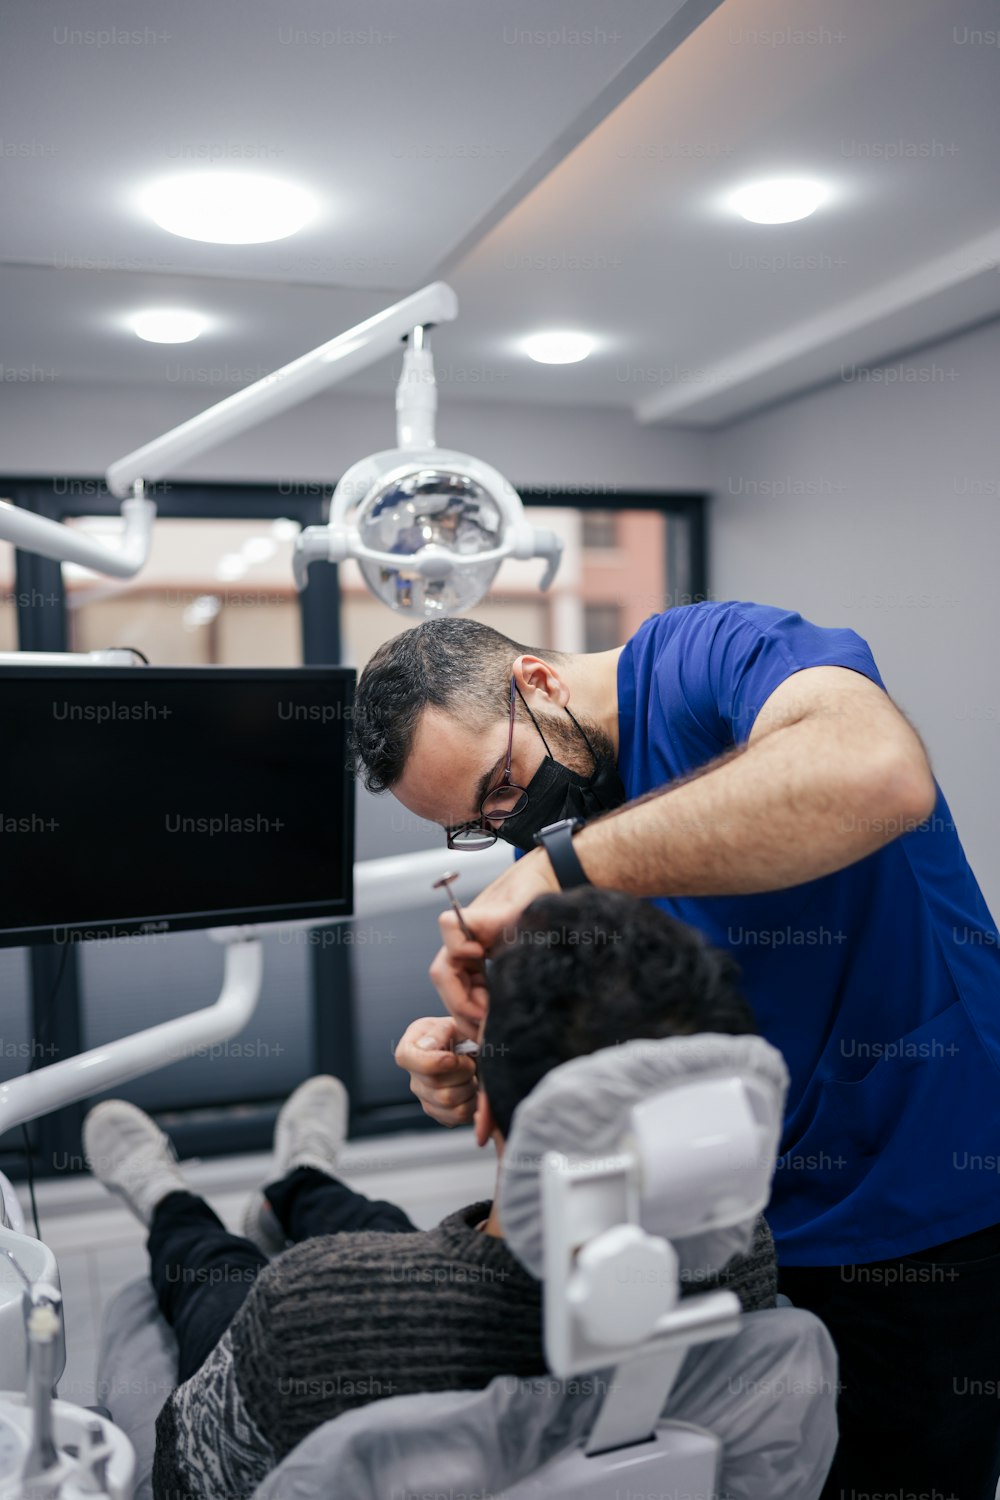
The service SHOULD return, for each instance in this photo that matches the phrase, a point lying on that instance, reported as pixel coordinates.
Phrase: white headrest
(589, 1107)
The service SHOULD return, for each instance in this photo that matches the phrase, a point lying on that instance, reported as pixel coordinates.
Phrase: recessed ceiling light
(558, 348)
(168, 325)
(228, 208)
(781, 200)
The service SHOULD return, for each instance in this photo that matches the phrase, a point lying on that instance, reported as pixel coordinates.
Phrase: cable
(41, 1039)
(135, 652)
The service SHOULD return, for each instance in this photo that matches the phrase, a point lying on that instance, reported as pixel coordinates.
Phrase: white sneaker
(130, 1154)
(309, 1132)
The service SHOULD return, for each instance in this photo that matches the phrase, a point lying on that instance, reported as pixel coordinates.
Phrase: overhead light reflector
(168, 325)
(781, 200)
(558, 348)
(228, 208)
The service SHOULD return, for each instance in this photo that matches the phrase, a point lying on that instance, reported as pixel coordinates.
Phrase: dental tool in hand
(464, 1049)
(445, 884)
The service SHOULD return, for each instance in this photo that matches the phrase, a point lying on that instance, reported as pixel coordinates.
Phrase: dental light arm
(51, 539)
(304, 377)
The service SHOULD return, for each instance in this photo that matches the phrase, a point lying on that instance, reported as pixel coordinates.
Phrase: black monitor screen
(145, 799)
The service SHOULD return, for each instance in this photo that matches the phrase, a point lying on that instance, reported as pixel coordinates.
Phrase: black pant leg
(201, 1274)
(308, 1202)
(919, 1369)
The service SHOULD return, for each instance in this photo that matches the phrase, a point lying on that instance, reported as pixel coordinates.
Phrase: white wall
(76, 430)
(876, 505)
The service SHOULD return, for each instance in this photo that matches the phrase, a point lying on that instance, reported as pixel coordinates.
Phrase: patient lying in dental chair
(357, 1303)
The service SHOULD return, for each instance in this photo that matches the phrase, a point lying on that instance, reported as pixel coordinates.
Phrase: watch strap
(557, 840)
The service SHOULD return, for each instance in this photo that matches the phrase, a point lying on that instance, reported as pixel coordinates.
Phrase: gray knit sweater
(345, 1319)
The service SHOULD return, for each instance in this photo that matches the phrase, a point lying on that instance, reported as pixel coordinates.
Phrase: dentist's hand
(445, 1083)
(457, 972)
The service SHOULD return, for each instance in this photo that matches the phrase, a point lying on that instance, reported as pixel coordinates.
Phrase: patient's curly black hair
(587, 969)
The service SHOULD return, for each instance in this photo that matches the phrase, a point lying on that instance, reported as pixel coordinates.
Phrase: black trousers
(919, 1347)
(202, 1274)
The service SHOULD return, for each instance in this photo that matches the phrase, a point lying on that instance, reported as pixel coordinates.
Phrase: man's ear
(537, 679)
(483, 1119)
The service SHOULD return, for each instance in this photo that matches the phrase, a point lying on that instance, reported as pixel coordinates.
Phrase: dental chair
(631, 1178)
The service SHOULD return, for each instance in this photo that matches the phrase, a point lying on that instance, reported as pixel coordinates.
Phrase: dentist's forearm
(798, 805)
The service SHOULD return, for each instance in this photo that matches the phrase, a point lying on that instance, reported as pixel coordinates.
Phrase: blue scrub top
(880, 984)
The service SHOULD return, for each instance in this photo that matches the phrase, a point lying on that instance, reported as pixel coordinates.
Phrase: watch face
(571, 823)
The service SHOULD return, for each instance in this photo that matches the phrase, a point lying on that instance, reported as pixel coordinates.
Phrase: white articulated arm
(52, 539)
(74, 1078)
(540, 541)
(304, 377)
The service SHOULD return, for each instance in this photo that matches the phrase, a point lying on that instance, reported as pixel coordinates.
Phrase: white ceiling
(562, 164)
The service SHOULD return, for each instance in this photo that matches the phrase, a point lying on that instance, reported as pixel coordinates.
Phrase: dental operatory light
(429, 527)
(168, 325)
(558, 348)
(779, 200)
(228, 208)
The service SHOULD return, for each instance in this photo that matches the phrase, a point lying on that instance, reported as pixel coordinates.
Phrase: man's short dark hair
(590, 968)
(457, 665)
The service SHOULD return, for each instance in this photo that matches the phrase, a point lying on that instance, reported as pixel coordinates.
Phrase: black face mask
(555, 792)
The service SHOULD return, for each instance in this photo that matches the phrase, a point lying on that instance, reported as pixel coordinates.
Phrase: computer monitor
(151, 799)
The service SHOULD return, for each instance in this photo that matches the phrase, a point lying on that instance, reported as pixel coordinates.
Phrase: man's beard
(568, 745)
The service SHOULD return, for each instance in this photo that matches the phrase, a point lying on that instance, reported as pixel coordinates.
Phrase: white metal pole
(60, 1083)
(61, 543)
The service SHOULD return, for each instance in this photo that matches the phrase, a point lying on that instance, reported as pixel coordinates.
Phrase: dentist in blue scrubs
(748, 771)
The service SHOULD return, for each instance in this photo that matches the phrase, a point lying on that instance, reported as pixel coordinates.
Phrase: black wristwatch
(557, 840)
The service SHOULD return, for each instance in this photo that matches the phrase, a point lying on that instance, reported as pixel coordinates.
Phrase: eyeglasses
(501, 801)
